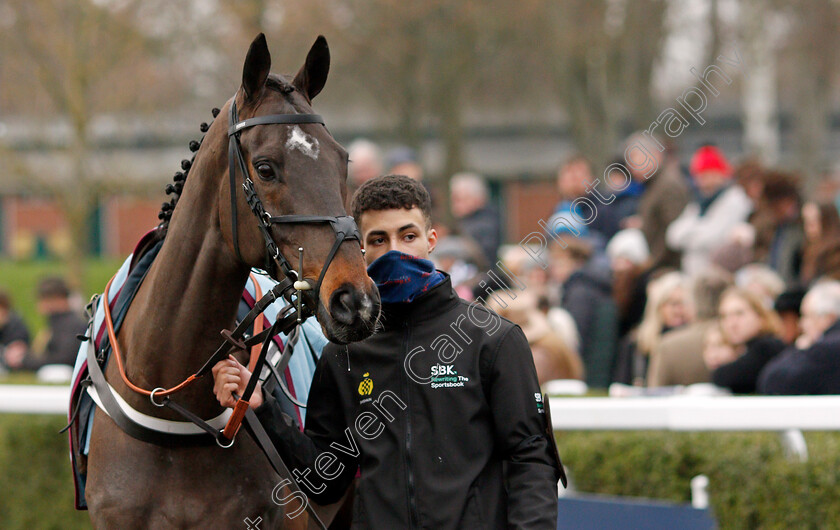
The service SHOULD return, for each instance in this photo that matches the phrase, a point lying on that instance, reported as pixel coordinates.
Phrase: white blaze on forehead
(303, 142)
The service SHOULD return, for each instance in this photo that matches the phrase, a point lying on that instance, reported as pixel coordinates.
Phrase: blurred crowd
(55, 348)
(652, 275)
(655, 275)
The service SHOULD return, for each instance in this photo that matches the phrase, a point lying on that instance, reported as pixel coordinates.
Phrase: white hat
(630, 244)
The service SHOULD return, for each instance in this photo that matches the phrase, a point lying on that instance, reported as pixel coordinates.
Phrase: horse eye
(265, 172)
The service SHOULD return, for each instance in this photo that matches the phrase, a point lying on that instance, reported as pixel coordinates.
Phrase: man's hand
(229, 376)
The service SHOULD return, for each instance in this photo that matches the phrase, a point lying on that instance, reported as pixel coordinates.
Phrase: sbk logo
(443, 369)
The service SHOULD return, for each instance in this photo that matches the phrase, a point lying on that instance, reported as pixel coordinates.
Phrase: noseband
(344, 226)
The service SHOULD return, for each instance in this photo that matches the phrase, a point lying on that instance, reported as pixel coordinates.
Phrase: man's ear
(432, 236)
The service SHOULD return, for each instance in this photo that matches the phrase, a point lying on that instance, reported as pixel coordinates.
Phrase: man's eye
(410, 237)
(378, 241)
(265, 172)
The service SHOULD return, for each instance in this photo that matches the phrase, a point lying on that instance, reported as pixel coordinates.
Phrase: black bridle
(344, 226)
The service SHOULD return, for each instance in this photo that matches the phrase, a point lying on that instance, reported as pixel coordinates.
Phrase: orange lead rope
(112, 337)
(235, 420)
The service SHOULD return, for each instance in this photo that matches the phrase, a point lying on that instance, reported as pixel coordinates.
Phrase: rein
(291, 287)
(345, 230)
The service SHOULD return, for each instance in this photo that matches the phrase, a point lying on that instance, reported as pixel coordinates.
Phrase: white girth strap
(158, 424)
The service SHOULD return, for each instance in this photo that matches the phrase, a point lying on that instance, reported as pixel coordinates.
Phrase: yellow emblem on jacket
(366, 386)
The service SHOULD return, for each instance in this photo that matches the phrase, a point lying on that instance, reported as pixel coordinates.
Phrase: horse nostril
(352, 307)
(344, 306)
(346, 300)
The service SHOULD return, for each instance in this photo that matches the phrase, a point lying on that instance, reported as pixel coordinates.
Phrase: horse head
(286, 189)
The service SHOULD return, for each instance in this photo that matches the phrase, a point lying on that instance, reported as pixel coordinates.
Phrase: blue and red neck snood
(401, 277)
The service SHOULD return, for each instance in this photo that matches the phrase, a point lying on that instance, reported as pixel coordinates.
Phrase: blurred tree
(759, 95)
(75, 61)
(600, 55)
(814, 42)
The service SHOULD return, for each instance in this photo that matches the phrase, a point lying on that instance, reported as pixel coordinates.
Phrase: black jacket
(741, 375)
(442, 411)
(815, 370)
(588, 298)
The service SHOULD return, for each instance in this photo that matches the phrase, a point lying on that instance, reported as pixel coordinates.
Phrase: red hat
(710, 158)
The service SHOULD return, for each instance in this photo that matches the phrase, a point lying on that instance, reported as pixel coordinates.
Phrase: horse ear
(257, 66)
(313, 74)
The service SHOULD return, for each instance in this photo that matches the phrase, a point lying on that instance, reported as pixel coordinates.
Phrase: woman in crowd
(668, 307)
(751, 329)
(554, 355)
(821, 225)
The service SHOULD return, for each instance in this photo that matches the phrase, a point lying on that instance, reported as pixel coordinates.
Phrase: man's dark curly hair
(392, 192)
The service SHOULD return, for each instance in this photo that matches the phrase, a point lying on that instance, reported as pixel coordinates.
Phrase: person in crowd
(665, 195)
(476, 217)
(762, 281)
(587, 296)
(526, 270)
(554, 357)
(738, 249)
(408, 413)
(705, 223)
(14, 335)
(403, 160)
(574, 181)
(716, 351)
(625, 206)
(64, 325)
(365, 163)
(678, 358)
(821, 225)
(812, 366)
(669, 307)
(749, 175)
(751, 329)
(779, 242)
(788, 305)
(628, 254)
(463, 260)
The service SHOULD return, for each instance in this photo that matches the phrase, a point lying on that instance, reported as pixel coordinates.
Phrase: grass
(20, 279)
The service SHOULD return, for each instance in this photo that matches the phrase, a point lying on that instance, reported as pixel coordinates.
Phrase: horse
(211, 240)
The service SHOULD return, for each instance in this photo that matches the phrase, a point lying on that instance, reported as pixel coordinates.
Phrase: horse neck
(190, 294)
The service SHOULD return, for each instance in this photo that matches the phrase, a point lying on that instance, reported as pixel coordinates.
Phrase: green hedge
(751, 484)
(36, 485)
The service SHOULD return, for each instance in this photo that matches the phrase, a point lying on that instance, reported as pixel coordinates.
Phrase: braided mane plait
(180, 178)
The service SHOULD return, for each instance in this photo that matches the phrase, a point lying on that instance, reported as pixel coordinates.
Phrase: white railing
(788, 415)
(697, 413)
(672, 413)
(34, 399)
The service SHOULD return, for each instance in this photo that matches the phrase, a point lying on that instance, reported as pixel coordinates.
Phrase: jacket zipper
(412, 505)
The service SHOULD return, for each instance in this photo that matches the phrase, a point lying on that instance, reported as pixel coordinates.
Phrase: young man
(441, 408)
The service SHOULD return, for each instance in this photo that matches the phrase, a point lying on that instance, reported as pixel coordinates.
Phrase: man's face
(396, 229)
(709, 182)
(573, 178)
(463, 201)
(814, 324)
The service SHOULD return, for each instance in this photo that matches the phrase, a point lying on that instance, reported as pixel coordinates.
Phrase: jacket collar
(834, 329)
(425, 306)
